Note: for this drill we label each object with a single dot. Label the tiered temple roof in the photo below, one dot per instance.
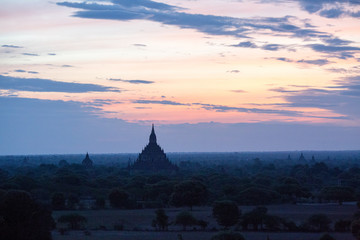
(153, 157)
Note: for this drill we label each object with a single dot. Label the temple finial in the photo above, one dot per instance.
(152, 138)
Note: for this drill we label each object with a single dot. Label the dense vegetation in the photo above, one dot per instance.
(221, 183)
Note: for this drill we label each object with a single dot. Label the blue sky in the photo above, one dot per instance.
(215, 75)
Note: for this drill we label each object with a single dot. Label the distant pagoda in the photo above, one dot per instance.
(153, 157)
(87, 161)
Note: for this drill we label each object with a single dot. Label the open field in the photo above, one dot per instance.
(140, 220)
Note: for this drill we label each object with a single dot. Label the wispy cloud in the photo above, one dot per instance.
(288, 26)
(24, 71)
(131, 81)
(162, 102)
(10, 46)
(139, 45)
(318, 62)
(332, 8)
(47, 85)
(238, 91)
(31, 54)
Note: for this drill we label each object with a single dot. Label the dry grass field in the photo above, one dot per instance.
(140, 221)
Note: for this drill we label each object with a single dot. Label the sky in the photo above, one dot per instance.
(212, 75)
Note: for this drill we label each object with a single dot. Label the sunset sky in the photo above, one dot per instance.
(213, 75)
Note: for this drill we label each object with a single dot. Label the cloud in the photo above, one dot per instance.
(319, 62)
(35, 126)
(342, 52)
(52, 54)
(222, 108)
(343, 98)
(67, 66)
(288, 26)
(272, 47)
(10, 46)
(162, 102)
(234, 71)
(24, 71)
(46, 85)
(238, 91)
(246, 44)
(331, 8)
(132, 81)
(30, 54)
(282, 90)
(139, 45)
(283, 59)
(208, 24)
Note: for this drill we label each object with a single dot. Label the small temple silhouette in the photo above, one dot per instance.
(87, 162)
(152, 157)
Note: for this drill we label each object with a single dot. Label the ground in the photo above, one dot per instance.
(137, 223)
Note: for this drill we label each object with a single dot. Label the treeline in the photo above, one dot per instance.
(255, 182)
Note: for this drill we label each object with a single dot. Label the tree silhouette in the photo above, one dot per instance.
(118, 198)
(58, 201)
(161, 221)
(320, 222)
(255, 217)
(226, 213)
(74, 220)
(23, 218)
(189, 193)
(185, 219)
(326, 236)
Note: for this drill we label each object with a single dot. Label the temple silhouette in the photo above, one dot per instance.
(152, 157)
(87, 162)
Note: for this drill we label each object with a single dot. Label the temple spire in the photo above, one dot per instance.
(152, 138)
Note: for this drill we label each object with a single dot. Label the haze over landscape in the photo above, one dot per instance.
(214, 75)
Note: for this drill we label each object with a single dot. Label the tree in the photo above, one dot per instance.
(189, 193)
(226, 213)
(74, 220)
(339, 194)
(355, 228)
(255, 217)
(23, 218)
(58, 201)
(203, 224)
(185, 219)
(72, 201)
(118, 198)
(228, 236)
(319, 222)
(326, 236)
(255, 195)
(161, 221)
(342, 226)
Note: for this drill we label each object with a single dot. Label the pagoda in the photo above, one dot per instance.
(87, 162)
(153, 157)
